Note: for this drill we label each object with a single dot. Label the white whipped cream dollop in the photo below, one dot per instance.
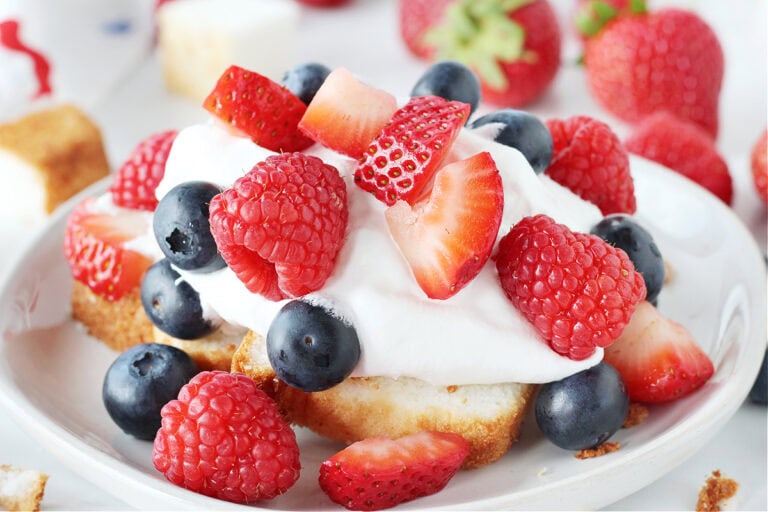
(475, 337)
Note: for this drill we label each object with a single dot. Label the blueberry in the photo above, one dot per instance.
(759, 392)
(182, 230)
(309, 348)
(305, 79)
(140, 382)
(524, 132)
(622, 232)
(583, 410)
(450, 80)
(172, 304)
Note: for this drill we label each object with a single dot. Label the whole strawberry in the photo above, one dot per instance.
(280, 227)
(224, 437)
(134, 184)
(514, 46)
(379, 473)
(589, 159)
(578, 291)
(669, 60)
(683, 147)
(760, 166)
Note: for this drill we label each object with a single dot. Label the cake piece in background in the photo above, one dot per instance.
(21, 489)
(199, 39)
(47, 157)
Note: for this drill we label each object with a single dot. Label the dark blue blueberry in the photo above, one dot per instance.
(759, 392)
(305, 79)
(524, 132)
(583, 410)
(182, 229)
(309, 348)
(172, 304)
(140, 382)
(450, 80)
(621, 231)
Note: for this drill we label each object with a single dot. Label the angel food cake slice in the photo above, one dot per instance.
(415, 286)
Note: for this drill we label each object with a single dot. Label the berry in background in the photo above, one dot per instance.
(305, 79)
(760, 166)
(449, 80)
(683, 147)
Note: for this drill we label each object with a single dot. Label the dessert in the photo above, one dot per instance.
(421, 282)
(47, 157)
(199, 39)
(21, 489)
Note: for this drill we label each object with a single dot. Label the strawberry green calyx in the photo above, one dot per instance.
(596, 14)
(480, 34)
(638, 7)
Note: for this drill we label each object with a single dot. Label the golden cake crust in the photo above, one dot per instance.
(31, 495)
(63, 145)
(359, 408)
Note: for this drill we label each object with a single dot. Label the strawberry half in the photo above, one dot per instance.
(94, 247)
(657, 358)
(448, 237)
(379, 473)
(405, 155)
(346, 115)
(261, 109)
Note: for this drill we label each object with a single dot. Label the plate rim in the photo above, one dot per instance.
(71, 449)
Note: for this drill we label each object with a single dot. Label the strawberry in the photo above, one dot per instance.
(589, 159)
(379, 473)
(657, 358)
(448, 237)
(760, 166)
(685, 148)
(94, 245)
(513, 46)
(280, 227)
(134, 184)
(345, 115)
(259, 108)
(577, 290)
(401, 161)
(669, 59)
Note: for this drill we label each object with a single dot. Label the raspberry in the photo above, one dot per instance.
(224, 437)
(578, 291)
(135, 182)
(280, 227)
(589, 159)
(760, 166)
(685, 148)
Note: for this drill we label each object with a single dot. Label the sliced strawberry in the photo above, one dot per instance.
(448, 237)
(407, 152)
(345, 115)
(657, 358)
(94, 245)
(261, 109)
(379, 473)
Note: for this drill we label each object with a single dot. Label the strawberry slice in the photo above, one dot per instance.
(402, 160)
(379, 473)
(259, 108)
(94, 245)
(657, 358)
(346, 115)
(448, 237)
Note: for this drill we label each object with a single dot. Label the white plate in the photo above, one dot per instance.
(51, 375)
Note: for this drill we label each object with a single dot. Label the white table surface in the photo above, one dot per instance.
(140, 106)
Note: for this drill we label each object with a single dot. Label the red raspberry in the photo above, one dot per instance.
(135, 182)
(685, 148)
(224, 437)
(589, 159)
(578, 291)
(760, 166)
(280, 227)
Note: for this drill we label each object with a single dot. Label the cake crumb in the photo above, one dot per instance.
(598, 451)
(636, 415)
(715, 491)
(542, 472)
(21, 489)
(669, 274)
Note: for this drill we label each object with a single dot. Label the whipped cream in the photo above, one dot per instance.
(475, 337)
